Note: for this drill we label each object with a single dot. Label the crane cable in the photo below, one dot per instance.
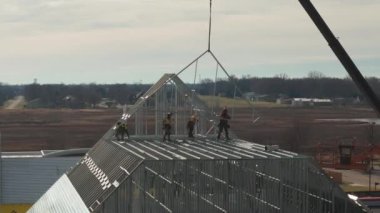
(254, 118)
(209, 28)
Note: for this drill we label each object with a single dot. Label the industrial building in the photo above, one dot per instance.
(145, 174)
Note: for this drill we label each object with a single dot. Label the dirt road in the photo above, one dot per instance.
(16, 103)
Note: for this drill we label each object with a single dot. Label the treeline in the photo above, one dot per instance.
(88, 95)
(311, 87)
(82, 95)
(305, 87)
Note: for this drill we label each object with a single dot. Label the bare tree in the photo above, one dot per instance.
(316, 75)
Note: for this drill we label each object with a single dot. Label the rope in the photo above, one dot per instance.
(216, 78)
(172, 98)
(196, 59)
(193, 91)
(232, 80)
(195, 73)
(209, 28)
(234, 105)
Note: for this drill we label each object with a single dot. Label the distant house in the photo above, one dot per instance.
(302, 102)
(322, 102)
(106, 103)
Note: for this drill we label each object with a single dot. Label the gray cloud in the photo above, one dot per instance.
(141, 37)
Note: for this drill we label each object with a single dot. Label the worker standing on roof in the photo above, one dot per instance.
(125, 129)
(223, 123)
(190, 125)
(119, 131)
(167, 126)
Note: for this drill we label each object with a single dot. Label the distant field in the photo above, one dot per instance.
(238, 103)
(19, 102)
(295, 129)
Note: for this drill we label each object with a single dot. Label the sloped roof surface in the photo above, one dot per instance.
(152, 148)
(111, 162)
(100, 170)
(61, 198)
(25, 179)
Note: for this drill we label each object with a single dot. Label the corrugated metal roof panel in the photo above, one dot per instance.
(60, 198)
(26, 179)
(100, 170)
(109, 163)
(183, 148)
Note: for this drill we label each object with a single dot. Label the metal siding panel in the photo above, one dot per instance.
(60, 198)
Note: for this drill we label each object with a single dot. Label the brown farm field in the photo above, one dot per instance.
(36, 129)
(294, 129)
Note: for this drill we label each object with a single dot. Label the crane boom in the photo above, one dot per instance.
(342, 55)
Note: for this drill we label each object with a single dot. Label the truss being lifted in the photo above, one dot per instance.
(169, 95)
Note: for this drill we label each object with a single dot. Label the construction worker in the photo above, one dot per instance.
(167, 126)
(223, 123)
(119, 131)
(125, 130)
(191, 124)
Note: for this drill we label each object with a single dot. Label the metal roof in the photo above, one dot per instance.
(45, 153)
(111, 162)
(66, 152)
(60, 198)
(183, 148)
(101, 170)
(24, 180)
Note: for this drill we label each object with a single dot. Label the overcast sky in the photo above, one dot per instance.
(125, 41)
